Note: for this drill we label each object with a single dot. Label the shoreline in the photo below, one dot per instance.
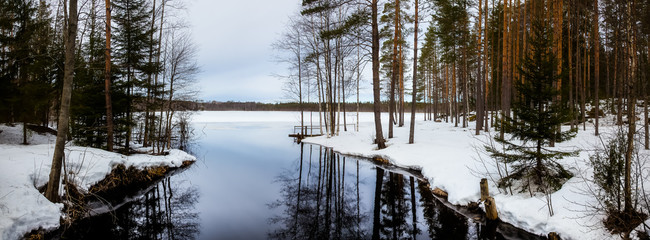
(451, 158)
(105, 201)
(477, 215)
(24, 170)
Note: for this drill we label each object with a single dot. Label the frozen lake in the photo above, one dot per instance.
(254, 182)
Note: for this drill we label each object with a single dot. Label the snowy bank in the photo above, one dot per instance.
(453, 159)
(24, 168)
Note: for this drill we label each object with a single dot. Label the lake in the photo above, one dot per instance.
(254, 182)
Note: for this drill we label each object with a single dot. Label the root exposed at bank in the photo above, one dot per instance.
(122, 180)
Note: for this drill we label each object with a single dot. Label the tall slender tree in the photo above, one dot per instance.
(379, 138)
(415, 75)
(596, 36)
(107, 80)
(52, 192)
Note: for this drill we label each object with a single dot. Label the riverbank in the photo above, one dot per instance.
(453, 159)
(24, 169)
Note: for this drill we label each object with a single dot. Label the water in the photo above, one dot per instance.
(253, 182)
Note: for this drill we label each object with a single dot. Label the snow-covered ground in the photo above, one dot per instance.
(449, 156)
(23, 168)
(453, 159)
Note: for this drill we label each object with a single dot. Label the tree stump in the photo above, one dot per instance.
(490, 209)
(553, 236)
(485, 193)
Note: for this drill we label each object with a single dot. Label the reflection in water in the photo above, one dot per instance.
(442, 222)
(319, 202)
(164, 212)
(322, 195)
(320, 199)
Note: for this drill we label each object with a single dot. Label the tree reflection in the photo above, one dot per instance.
(317, 200)
(165, 212)
(320, 199)
(443, 222)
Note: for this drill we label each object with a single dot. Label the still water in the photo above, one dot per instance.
(254, 182)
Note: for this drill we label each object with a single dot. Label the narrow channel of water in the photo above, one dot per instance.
(253, 182)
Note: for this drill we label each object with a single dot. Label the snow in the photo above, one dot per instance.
(451, 158)
(23, 168)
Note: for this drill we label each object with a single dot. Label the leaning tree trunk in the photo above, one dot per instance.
(52, 192)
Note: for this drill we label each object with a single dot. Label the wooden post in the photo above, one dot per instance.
(484, 189)
(491, 209)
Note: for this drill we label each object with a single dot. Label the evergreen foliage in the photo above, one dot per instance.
(608, 165)
(132, 38)
(535, 121)
(87, 106)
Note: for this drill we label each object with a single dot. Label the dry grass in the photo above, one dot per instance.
(623, 222)
(123, 179)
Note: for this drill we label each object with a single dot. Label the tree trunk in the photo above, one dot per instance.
(415, 76)
(379, 137)
(395, 73)
(645, 107)
(302, 111)
(107, 81)
(147, 111)
(479, 81)
(401, 83)
(596, 34)
(505, 93)
(486, 69)
(52, 192)
(156, 98)
(454, 93)
(631, 113)
(571, 102)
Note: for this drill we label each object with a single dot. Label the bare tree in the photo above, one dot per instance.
(182, 69)
(291, 43)
(52, 192)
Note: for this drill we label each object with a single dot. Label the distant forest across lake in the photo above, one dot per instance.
(288, 106)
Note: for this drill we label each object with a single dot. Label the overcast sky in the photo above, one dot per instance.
(234, 40)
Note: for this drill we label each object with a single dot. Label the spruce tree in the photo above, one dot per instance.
(132, 39)
(25, 65)
(87, 107)
(535, 119)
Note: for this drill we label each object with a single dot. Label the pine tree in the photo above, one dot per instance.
(537, 117)
(379, 137)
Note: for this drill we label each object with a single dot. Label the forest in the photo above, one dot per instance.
(105, 73)
(536, 72)
(148, 65)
